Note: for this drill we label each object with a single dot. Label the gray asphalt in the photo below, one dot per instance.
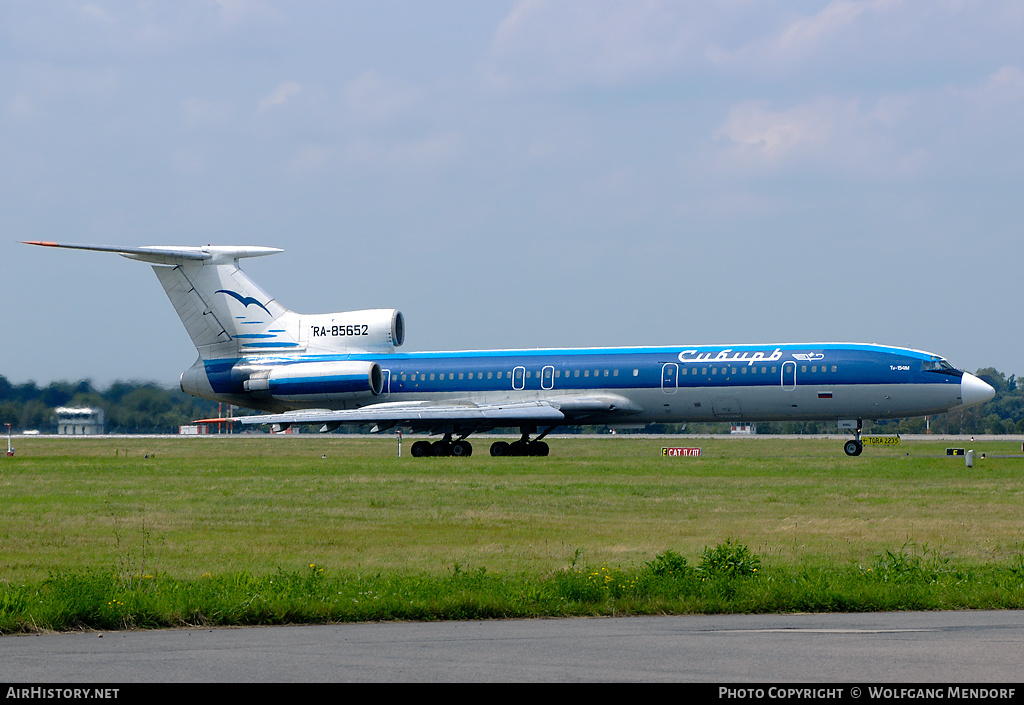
(932, 647)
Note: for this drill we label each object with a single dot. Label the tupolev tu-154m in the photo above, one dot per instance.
(341, 368)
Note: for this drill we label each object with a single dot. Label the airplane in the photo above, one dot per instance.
(342, 368)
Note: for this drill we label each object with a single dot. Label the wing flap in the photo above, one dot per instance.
(398, 413)
(425, 415)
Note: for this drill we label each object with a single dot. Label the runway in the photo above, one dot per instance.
(907, 647)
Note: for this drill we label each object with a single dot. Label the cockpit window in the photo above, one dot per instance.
(937, 364)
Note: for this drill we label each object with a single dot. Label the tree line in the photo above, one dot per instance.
(146, 407)
(128, 407)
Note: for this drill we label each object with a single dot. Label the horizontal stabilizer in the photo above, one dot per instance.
(171, 255)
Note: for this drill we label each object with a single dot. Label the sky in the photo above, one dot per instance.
(518, 173)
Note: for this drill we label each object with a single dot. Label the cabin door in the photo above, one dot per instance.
(670, 378)
(547, 377)
(789, 376)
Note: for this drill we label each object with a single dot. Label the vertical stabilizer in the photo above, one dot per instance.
(224, 311)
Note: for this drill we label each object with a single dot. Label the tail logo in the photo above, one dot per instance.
(244, 300)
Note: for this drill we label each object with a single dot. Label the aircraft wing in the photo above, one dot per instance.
(432, 416)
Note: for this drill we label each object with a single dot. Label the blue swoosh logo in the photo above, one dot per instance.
(244, 300)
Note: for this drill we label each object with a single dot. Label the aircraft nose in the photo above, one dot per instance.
(974, 391)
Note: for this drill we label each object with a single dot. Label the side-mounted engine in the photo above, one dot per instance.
(326, 382)
(318, 382)
(300, 361)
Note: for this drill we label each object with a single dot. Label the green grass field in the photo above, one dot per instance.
(201, 507)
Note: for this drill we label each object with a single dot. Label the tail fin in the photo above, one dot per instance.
(224, 311)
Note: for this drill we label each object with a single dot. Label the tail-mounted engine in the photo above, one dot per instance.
(375, 330)
(317, 381)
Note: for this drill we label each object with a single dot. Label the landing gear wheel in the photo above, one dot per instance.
(539, 449)
(853, 448)
(422, 449)
(499, 449)
(519, 448)
(442, 449)
(462, 449)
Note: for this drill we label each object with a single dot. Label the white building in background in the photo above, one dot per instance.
(80, 421)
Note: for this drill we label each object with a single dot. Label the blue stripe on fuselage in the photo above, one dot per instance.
(823, 364)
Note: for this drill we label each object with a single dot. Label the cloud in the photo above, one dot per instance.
(309, 158)
(824, 131)
(206, 113)
(836, 21)
(428, 152)
(858, 37)
(1002, 89)
(96, 12)
(280, 95)
(369, 98)
(566, 42)
(21, 107)
(235, 11)
(949, 130)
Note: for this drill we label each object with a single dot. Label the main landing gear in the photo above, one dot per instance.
(501, 449)
(444, 448)
(462, 448)
(855, 447)
(524, 446)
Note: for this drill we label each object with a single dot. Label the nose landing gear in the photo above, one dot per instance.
(856, 446)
